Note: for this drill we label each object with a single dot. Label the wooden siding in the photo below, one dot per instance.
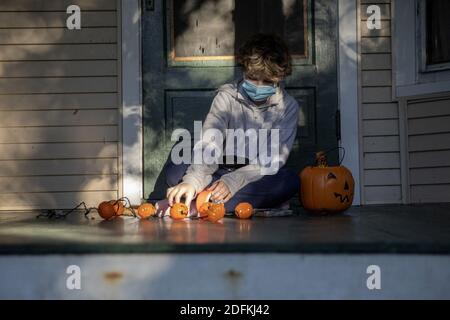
(429, 149)
(380, 116)
(417, 138)
(59, 104)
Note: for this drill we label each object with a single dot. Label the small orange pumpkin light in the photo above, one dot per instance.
(213, 211)
(146, 210)
(202, 198)
(106, 210)
(203, 211)
(244, 210)
(179, 211)
(119, 208)
(207, 209)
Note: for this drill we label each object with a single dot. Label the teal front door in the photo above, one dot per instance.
(188, 52)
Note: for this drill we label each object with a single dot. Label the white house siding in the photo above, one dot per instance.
(59, 110)
(429, 149)
(424, 152)
(380, 117)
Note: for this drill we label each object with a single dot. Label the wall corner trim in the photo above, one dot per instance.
(348, 90)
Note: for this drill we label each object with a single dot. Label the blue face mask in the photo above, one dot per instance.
(258, 93)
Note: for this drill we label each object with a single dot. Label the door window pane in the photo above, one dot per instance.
(217, 28)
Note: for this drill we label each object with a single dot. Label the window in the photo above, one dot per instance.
(421, 47)
(435, 35)
(215, 29)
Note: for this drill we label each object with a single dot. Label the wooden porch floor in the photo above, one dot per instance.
(421, 229)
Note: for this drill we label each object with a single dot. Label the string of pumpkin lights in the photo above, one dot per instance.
(325, 189)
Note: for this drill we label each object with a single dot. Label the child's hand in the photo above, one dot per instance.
(183, 190)
(220, 191)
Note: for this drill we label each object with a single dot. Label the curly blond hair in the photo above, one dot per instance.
(265, 57)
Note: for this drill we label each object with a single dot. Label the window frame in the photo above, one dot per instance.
(409, 79)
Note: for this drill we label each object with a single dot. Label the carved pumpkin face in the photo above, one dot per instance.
(212, 211)
(326, 189)
(146, 210)
(203, 211)
(244, 210)
(179, 211)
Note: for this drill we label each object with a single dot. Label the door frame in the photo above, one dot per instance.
(131, 99)
(348, 79)
(131, 95)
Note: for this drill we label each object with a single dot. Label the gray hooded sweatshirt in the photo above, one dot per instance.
(233, 109)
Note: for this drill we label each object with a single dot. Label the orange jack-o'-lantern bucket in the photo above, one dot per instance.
(326, 189)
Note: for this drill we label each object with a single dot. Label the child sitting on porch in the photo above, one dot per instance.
(258, 101)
